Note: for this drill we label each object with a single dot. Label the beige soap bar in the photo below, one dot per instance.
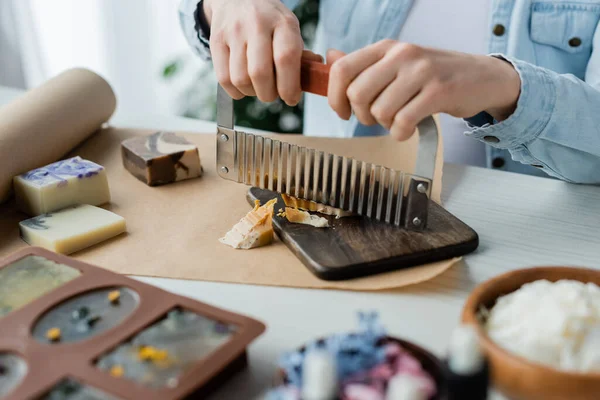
(61, 184)
(72, 229)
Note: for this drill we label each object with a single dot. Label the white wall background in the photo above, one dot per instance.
(128, 42)
(11, 73)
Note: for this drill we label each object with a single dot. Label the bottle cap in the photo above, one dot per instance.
(465, 355)
(404, 387)
(319, 376)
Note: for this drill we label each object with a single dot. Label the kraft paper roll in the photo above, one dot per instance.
(47, 122)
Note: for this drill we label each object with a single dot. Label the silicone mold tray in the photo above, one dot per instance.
(71, 330)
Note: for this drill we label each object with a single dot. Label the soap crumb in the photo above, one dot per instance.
(114, 296)
(117, 371)
(53, 334)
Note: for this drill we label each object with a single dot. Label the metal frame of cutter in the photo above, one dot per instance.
(366, 189)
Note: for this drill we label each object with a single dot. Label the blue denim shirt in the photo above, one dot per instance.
(556, 125)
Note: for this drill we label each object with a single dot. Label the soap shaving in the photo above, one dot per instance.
(307, 205)
(303, 217)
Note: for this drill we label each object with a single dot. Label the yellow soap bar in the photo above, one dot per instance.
(254, 230)
(72, 229)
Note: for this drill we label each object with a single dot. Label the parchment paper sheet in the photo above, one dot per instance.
(47, 122)
(173, 230)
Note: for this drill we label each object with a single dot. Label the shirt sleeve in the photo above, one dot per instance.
(197, 38)
(556, 124)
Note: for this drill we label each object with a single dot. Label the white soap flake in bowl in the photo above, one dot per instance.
(555, 324)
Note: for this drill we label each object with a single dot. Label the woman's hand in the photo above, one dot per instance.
(256, 48)
(397, 85)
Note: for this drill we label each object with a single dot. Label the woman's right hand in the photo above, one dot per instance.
(256, 48)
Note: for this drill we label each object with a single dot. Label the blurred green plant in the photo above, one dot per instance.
(197, 96)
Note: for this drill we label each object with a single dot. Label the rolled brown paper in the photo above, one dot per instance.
(47, 122)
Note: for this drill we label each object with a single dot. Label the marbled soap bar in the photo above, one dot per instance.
(161, 158)
(61, 184)
(161, 354)
(72, 229)
(29, 278)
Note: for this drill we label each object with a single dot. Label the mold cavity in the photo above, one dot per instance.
(70, 389)
(12, 371)
(158, 356)
(85, 315)
(30, 278)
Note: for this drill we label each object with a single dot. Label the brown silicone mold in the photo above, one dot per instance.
(50, 363)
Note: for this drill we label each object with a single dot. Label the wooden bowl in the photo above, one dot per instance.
(430, 363)
(513, 375)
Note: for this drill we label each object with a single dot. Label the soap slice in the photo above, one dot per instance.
(302, 217)
(61, 184)
(72, 229)
(254, 230)
(161, 158)
(308, 205)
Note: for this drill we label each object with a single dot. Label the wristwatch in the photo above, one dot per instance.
(201, 24)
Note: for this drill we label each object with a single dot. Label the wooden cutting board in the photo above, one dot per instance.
(353, 247)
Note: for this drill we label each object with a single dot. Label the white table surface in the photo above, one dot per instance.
(521, 221)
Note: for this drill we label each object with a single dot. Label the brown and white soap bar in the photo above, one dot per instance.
(161, 158)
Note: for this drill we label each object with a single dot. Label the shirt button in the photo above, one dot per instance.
(498, 162)
(499, 30)
(491, 139)
(575, 42)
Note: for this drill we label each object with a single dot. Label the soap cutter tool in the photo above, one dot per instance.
(375, 191)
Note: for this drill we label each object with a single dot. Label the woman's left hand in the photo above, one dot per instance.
(397, 85)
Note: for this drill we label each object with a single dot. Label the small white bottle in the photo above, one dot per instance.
(404, 387)
(467, 369)
(464, 355)
(319, 376)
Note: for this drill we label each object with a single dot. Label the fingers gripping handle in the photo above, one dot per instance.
(315, 79)
(413, 205)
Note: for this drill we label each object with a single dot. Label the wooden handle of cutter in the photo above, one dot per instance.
(314, 77)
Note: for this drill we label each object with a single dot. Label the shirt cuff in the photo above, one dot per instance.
(533, 112)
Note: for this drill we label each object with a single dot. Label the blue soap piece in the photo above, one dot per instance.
(59, 171)
(353, 352)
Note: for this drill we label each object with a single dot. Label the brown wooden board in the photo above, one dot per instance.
(358, 246)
